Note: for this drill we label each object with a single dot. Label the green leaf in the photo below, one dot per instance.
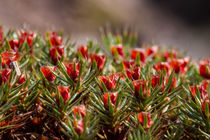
(111, 110)
(206, 109)
(103, 86)
(138, 59)
(8, 47)
(119, 95)
(63, 70)
(145, 121)
(141, 92)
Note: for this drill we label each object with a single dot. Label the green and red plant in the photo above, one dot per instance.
(50, 88)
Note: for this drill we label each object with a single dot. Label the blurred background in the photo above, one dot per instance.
(183, 24)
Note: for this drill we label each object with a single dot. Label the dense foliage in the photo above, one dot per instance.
(52, 88)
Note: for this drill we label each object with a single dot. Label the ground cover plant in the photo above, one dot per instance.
(53, 88)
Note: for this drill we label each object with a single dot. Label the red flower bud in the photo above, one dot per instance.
(133, 74)
(168, 55)
(26, 36)
(113, 99)
(118, 49)
(30, 40)
(152, 50)
(73, 71)
(202, 90)
(162, 66)
(193, 90)
(185, 61)
(140, 51)
(4, 75)
(179, 65)
(79, 126)
(83, 50)
(137, 85)
(136, 73)
(80, 109)
(22, 79)
(53, 54)
(99, 59)
(176, 65)
(9, 56)
(55, 39)
(205, 68)
(155, 80)
(116, 76)
(47, 72)
(60, 50)
(109, 82)
(141, 118)
(205, 84)
(128, 64)
(173, 83)
(64, 92)
(128, 73)
(14, 44)
(56, 53)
